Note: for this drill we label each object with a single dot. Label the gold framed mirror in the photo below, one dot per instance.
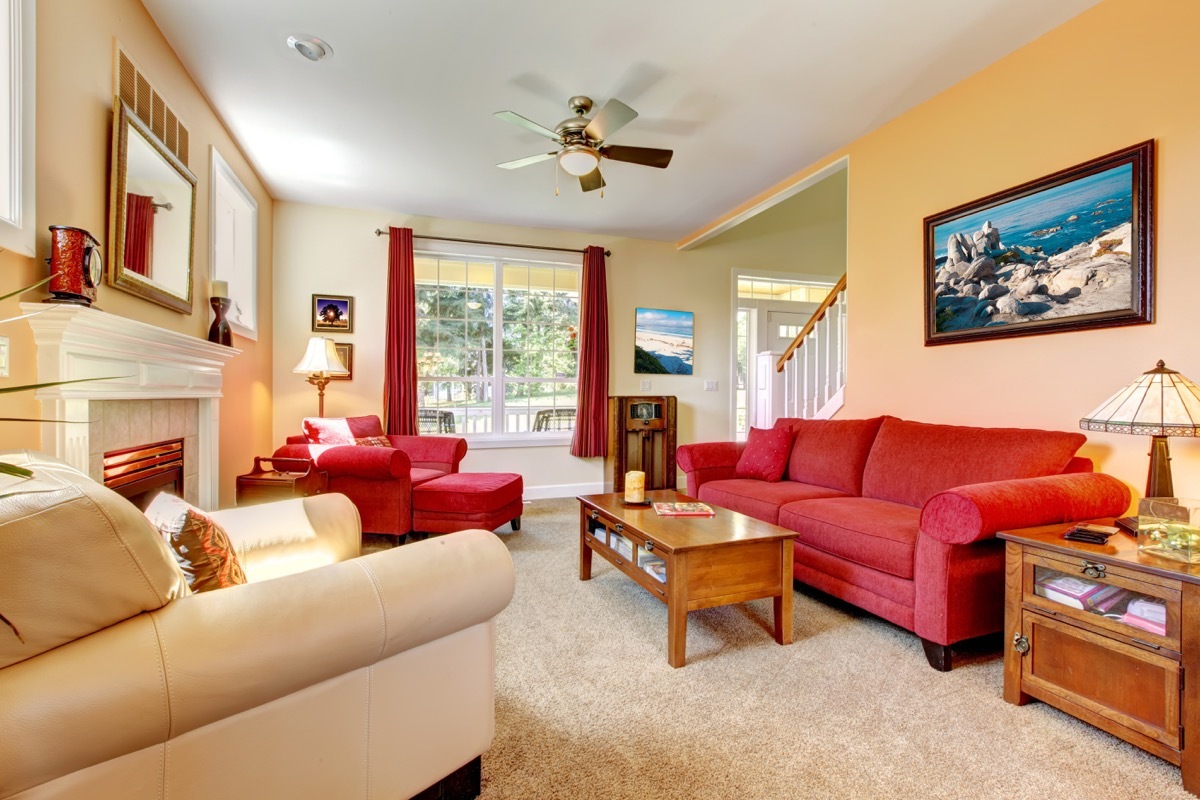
(152, 217)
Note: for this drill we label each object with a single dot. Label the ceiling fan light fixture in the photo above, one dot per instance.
(310, 47)
(578, 159)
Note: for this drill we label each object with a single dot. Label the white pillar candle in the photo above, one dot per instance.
(635, 487)
(219, 289)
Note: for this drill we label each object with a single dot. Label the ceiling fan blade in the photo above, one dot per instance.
(524, 162)
(614, 116)
(527, 124)
(592, 181)
(646, 156)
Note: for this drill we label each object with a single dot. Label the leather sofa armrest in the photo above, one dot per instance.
(338, 460)
(708, 461)
(206, 657)
(290, 536)
(432, 452)
(977, 511)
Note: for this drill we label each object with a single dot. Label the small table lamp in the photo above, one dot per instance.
(319, 363)
(1159, 404)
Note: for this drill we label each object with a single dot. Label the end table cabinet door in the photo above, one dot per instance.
(1128, 685)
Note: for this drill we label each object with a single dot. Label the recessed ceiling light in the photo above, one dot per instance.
(310, 47)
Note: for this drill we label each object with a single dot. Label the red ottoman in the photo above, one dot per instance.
(463, 500)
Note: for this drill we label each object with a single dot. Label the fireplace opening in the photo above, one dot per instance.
(138, 473)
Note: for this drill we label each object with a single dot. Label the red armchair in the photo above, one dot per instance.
(377, 472)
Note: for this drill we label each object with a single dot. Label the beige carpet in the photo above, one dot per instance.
(587, 707)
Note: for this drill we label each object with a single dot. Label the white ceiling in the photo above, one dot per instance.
(745, 93)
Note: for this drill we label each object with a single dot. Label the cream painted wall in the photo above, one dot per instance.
(1056, 102)
(321, 249)
(74, 124)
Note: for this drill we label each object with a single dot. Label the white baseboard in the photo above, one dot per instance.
(563, 490)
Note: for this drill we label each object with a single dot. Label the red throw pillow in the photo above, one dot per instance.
(340, 430)
(201, 547)
(766, 454)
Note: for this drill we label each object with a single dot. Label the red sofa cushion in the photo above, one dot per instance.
(830, 452)
(766, 454)
(468, 492)
(875, 533)
(912, 461)
(341, 430)
(759, 499)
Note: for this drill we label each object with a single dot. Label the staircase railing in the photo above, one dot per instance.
(814, 364)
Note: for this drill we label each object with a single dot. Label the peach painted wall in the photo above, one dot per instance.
(1118, 74)
(74, 123)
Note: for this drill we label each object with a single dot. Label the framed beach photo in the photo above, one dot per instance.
(1070, 251)
(345, 352)
(332, 313)
(662, 342)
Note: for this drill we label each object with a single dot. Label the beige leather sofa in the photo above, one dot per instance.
(328, 675)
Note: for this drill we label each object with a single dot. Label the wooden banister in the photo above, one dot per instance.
(817, 316)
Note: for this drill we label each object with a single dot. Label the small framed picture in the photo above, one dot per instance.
(333, 313)
(345, 352)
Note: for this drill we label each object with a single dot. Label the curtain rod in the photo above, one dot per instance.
(381, 232)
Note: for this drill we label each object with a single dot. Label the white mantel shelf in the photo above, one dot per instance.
(133, 359)
(122, 359)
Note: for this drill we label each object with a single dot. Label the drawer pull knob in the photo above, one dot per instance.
(649, 546)
(620, 527)
(595, 513)
(1020, 643)
(1093, 570)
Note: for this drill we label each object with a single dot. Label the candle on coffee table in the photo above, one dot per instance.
(635, 487)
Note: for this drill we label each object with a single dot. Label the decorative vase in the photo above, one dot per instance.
(219, 332)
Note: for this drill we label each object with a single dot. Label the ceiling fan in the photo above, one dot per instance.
(581, 141)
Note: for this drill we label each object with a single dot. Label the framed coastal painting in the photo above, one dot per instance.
(662, 342)
(333, 313)
(1070, 251)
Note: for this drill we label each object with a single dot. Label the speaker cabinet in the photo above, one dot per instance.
(642, 437)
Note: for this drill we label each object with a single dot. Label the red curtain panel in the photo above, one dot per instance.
(591, 426)
(400, 354)
(139, 233)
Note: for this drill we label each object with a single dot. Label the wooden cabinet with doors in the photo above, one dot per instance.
(641, 433)
(1107, 635)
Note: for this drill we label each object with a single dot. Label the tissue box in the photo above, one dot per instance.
(1170, 527)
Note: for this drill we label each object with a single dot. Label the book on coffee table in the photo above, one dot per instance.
(683, 510)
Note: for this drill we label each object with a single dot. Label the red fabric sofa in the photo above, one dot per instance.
(375, 471)
(899, 517)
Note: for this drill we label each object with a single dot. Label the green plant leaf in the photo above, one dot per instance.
(27, 288)
(14, 628)
(13, 469)
(11, 389)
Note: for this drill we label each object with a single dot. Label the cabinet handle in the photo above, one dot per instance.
(649, 546)
(595, 513)
(620, 527)
(619, 562)
(1093, 570)
(1146, 644)
(1020, 643)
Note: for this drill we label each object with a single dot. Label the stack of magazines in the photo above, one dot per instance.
(1079, 592)
(683, 510)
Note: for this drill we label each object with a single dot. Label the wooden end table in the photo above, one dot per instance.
(709, 561)
(1091, 654)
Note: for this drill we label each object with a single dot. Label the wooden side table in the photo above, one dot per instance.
(1082, 633)
(288, 477)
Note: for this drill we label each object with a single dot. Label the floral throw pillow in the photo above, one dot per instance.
(201, 547)
(373, 441)
(766, 454)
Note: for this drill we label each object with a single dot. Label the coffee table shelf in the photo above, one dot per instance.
(710, 561)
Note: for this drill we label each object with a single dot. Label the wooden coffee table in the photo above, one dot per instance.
(710, 561)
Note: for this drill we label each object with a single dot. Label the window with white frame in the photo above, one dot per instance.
(497, 345)
(17, 112)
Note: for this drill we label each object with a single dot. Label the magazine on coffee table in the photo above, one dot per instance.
(683, 510)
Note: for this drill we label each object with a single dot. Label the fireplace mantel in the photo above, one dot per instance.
(123, 359)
